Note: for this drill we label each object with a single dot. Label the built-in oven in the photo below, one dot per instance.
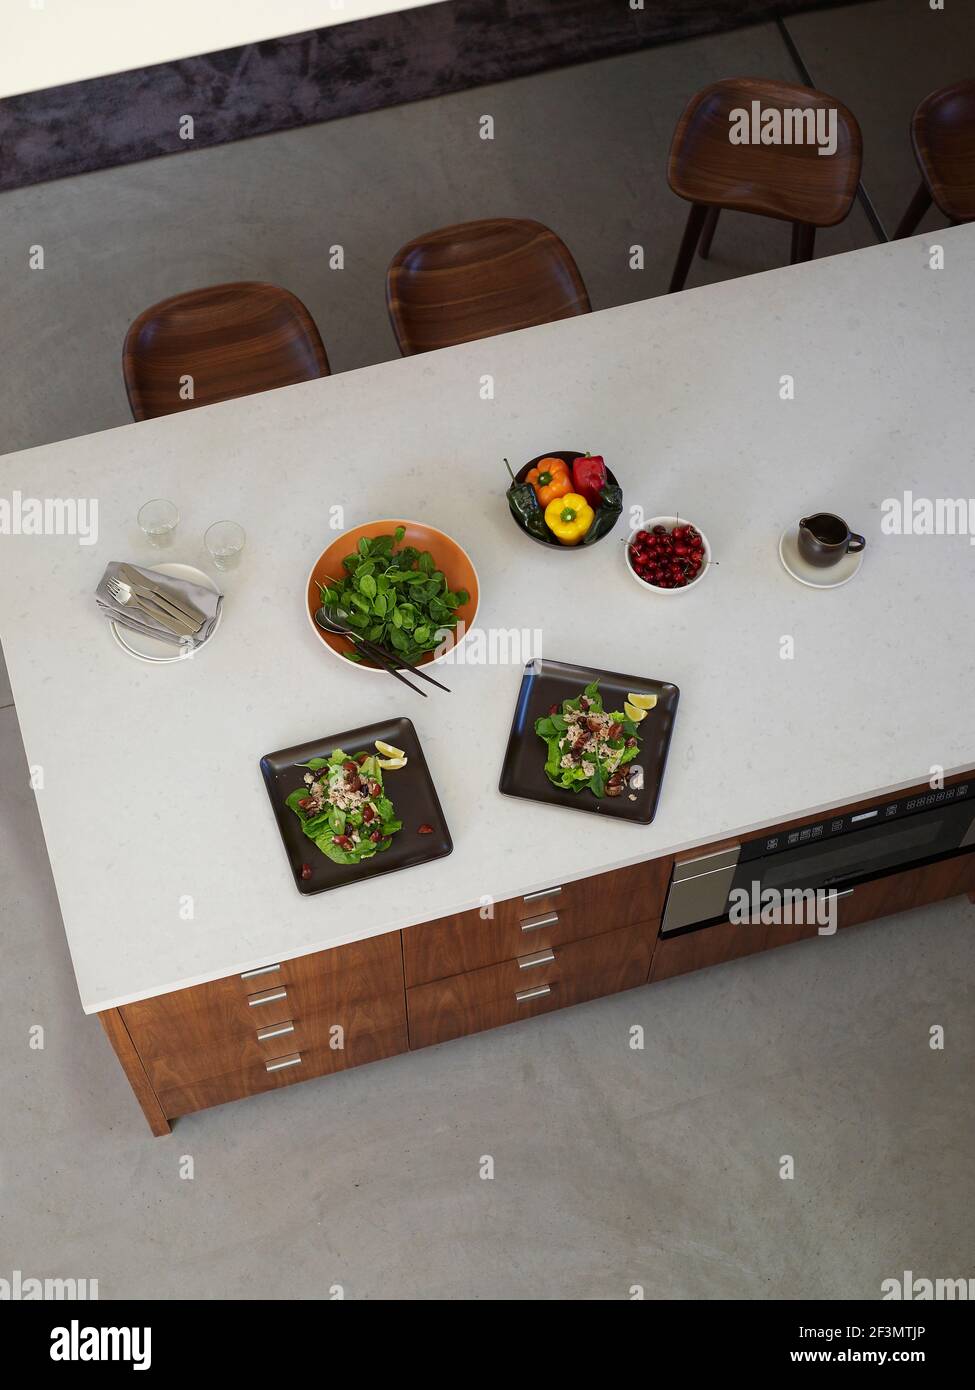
(833, 854)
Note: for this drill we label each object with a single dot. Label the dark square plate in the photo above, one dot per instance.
(410, 789)
(546, 683)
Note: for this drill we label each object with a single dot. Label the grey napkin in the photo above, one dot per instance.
(181, 590)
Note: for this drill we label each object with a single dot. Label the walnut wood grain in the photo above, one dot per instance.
(362, 1045)
(943, 135)
(791, 182)
(233, 340)
(466, 941)
(487, 998)
(340, 1033)
(211, 1015)
(117, 1034)
(476, 279)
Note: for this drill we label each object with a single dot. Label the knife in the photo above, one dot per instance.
(183, 609)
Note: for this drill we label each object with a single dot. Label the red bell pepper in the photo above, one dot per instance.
(589, 477)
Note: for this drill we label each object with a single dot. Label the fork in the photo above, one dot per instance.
(123, 595)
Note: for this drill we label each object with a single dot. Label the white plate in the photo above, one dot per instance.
(151, 649)
(810, 575)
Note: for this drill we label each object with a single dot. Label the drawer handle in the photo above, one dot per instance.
(268, 997)
(542, 893)
(281, 1062)
(278, 1031)
(533, 993)
(541, 958)
(261, 970)
(533, 923)
(846, 893)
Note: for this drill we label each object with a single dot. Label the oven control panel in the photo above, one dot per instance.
(853, 820)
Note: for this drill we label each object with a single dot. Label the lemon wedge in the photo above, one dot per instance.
(388, 751)
(633, 713)
(641, 701)
(388, 764)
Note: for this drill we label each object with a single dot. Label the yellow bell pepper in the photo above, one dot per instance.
(569, 518)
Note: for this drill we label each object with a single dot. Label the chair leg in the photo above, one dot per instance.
(803, 241)
(692, 234)
(917, 207)
(707, 236)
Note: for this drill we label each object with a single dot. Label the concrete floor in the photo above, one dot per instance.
(613, 1167)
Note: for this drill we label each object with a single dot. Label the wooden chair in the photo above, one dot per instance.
(477, 279)
(943, 133)
(232, 340)
(792, 182)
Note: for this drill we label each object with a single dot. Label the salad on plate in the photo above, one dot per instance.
(589, 747)
(343, 806)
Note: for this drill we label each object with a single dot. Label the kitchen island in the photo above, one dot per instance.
(177, 898)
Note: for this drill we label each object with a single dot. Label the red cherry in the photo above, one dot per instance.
(660, 530)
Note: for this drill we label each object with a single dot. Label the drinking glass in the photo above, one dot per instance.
(158, 519)
(224, 541)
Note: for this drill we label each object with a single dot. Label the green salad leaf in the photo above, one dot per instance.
(331, 821)
(394, 596)
(603, 753)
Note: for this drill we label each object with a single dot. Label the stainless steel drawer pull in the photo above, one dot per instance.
(542, 893)
(278, 1031)
(267, 997)
(533, 993)
(844, 894)
(533, 923)
(261, 970)
(281, 1062)
(541, 958)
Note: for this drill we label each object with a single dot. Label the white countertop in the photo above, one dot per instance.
(151, 783)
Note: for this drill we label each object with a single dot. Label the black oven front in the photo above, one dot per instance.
(836, 852)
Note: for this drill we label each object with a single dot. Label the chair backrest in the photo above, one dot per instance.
(476, 279)
(232, 340)
(943, 130)
(789, 179)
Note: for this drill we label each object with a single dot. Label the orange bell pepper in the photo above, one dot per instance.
(550, 478)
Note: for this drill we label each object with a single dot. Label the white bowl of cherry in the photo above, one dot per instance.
(668, 555)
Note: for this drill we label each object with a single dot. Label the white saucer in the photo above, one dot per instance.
(145, 648)
(831, 578)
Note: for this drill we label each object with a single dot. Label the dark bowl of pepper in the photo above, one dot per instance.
(560, 473)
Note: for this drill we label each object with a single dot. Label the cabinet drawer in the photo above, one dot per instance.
(912, 888)
(537, 983)
(677, 955)
(312, 1034)
(189, 1020)
(251, 1078)
(467, 941)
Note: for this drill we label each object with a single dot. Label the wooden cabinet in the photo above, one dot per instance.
(519, 926)
(912, 888)
(532, 984)
(322, 1013)
(677, 955)
(268, 1028)
(238, 1007)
